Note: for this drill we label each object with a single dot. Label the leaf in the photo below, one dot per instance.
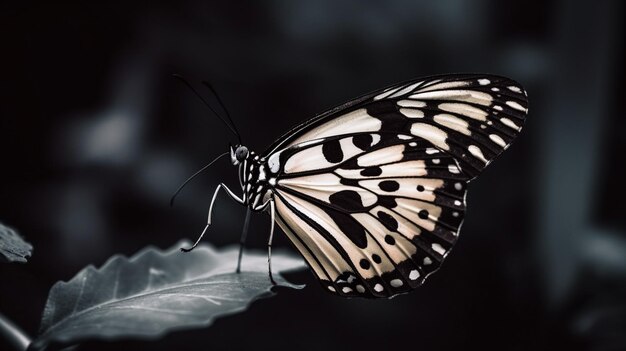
(12, 247)
(155, 292)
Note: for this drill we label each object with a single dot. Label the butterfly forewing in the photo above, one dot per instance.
(372, 194)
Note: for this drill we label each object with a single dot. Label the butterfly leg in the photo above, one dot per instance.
(242, 241)
(269, 242)
(217, 190)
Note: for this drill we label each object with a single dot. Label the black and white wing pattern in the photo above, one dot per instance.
(372, 193)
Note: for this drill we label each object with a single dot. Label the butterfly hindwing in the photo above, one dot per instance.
(388, 214)
(372, 194)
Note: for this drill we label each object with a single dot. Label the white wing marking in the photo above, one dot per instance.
(412, 113)
(342, 125)
(465, 110)
(380, 157)
(411, 103)
(473, 96)
(453, 123)
(431, 133)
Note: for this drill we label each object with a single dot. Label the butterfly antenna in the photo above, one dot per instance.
(219, 100)
(179, 77)
(193, 176)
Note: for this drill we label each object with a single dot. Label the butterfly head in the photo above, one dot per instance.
(238, 154)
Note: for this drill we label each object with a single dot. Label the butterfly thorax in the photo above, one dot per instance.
(257, 182)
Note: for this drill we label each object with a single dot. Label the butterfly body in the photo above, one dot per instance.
(372, 193)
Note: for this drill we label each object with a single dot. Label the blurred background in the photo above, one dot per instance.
(95, 135)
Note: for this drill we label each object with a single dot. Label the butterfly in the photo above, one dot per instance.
(372, 193)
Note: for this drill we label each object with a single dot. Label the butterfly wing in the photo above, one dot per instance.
(372, 193)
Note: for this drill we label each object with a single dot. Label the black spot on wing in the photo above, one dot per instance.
(376, 258)
(349, 181)
(423, 214)
(347, 200)
(389, 185)
(387, 201)
(371, 172)
(392, 120)
(349, 226)
(332, 151)
(362, 141)
(388, 221)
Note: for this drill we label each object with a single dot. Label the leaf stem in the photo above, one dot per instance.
(16, 337)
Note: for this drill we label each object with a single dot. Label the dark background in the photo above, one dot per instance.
(95, 136)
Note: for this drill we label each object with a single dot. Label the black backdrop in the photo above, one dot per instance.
(95, 135)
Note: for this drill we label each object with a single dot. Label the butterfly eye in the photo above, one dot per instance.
(241, 153)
